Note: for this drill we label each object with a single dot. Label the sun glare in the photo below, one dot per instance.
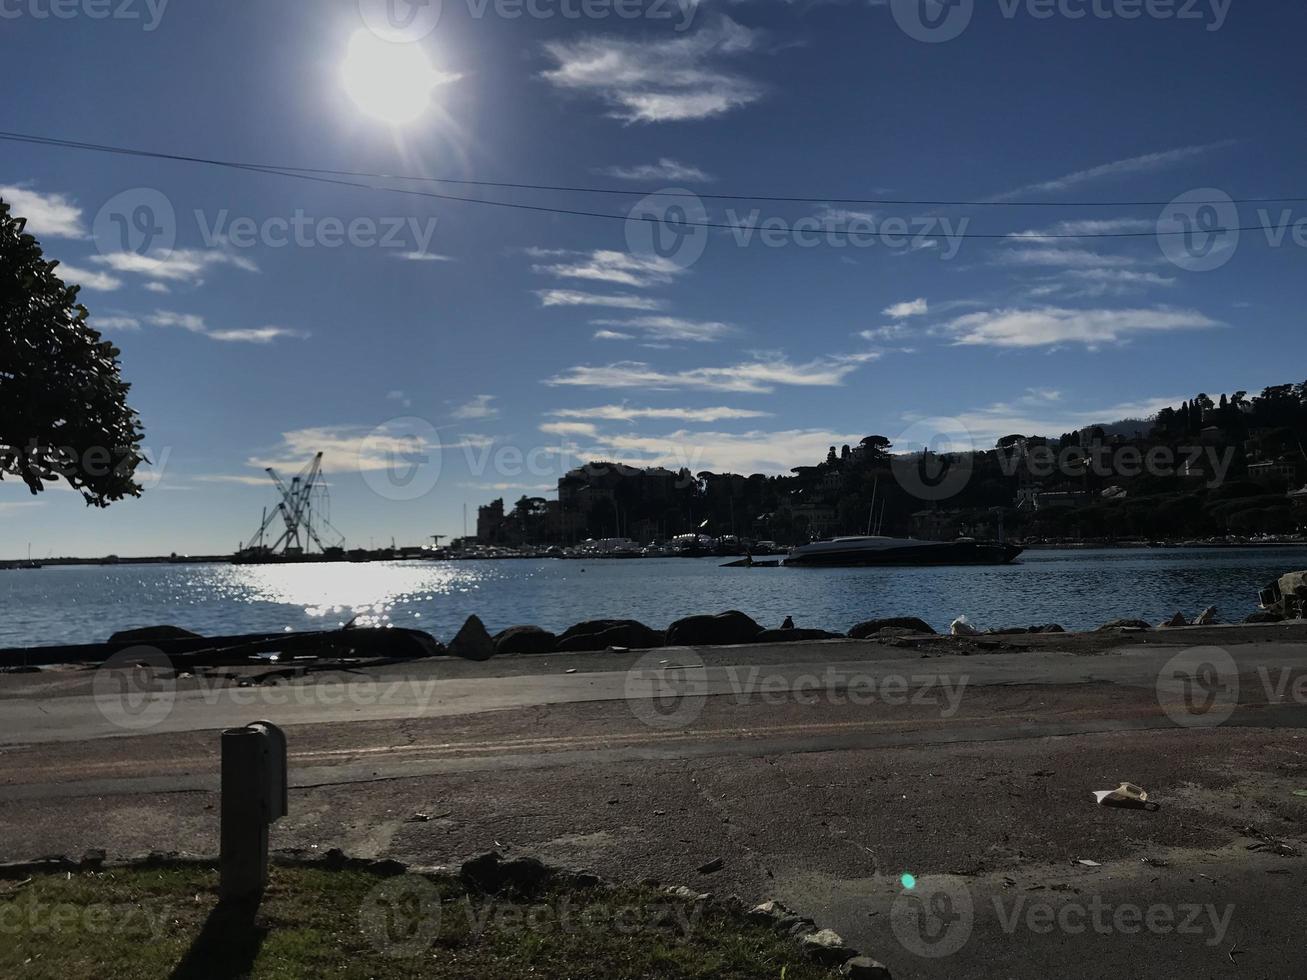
(391, 82)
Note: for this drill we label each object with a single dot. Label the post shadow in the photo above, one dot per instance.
(227, 945)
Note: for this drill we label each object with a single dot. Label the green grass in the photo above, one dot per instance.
(159, 923)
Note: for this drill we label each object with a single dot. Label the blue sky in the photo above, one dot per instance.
(508, 344)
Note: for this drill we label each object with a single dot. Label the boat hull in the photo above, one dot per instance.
(918, 555)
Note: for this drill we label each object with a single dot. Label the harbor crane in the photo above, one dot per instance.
(297, 512)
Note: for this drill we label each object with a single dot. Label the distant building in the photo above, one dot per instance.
(491, 526)
(1274, 472)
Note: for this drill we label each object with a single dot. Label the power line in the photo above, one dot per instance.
(336, 177)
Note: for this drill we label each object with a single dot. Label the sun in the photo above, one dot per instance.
(391, 82)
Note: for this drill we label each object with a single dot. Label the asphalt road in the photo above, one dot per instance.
(819, 774)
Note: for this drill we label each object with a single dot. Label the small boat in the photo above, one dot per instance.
(869, 550)
(748, 562)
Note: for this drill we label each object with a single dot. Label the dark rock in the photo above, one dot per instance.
(712, 867)
(1050, 628)
(491, 874)
(1264, 616)
(873, 626)
(94, 858)
(472, 641)
(894, 632)
(1124, 624)
(864, 968)
(524, 639)
(600, 634)
(149, 634)
(724, 629)
(794, 636)
(788, 624)
(387, 867)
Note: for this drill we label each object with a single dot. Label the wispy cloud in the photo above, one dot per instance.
(761, 375)
(1033, 415)
(478, 408)
(256, 335)
(748, 452)
(625, 413)
(900, 311)
(1092, 226)
(195, 323)
(666, 328)
(422, 257)
(583, 429)
(618, 268)
(48, 215)
(666, 169)
(681, 78)
(181, 265)
(94, 279)
(1051, 325)
(1051, 255)
(622, 301)
(1147, 163)
(114, 322)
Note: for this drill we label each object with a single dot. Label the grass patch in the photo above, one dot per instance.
(143, 924)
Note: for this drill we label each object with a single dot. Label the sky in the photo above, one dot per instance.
(263, 317)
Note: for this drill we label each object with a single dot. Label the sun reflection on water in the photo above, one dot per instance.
(372, 594)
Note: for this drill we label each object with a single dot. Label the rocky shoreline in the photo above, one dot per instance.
(734, 628)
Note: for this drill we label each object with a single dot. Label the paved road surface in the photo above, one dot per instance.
(820, 774)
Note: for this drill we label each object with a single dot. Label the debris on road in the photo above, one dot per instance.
(1126, 795)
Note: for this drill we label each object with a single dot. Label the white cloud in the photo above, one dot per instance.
(1052, 325)
(195, 324)
(157, 287)
(180, 265)
(624, 413)
(422, 257)
(101, 282)
(1148, 163)
(1090, 227)
(619, 268)
(478, 408)
(1031, 415)
(680, 78)
(665, 169)
(115, 322)
(900, 311)
(345, 447)
(585, 429)
(1056, 256)
(761, 375)
(187, 321)
(666, 328)
(256, 335)
(571, 297)
(749, 452)
(399, 396)
(48, 215)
